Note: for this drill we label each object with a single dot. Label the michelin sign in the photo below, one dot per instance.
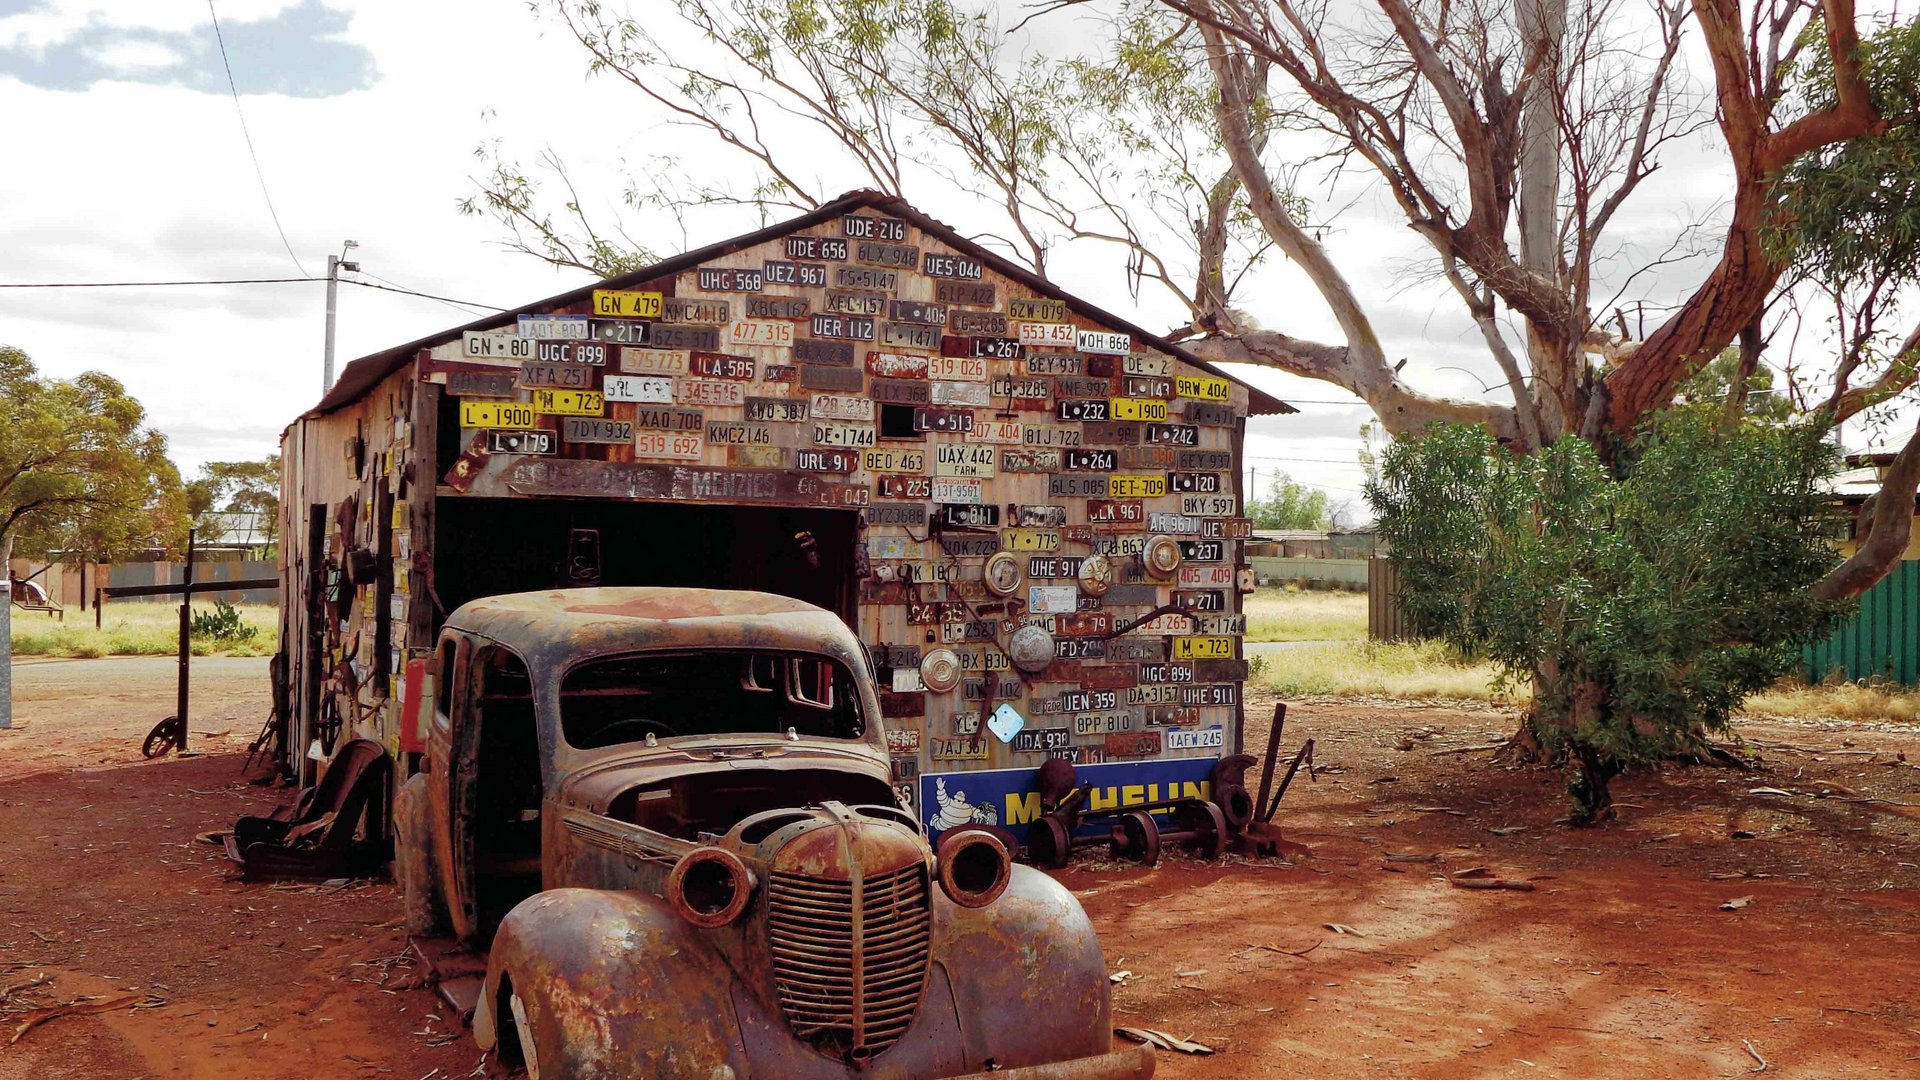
(1011, 797)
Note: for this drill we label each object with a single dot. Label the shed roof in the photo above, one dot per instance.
(364, 374)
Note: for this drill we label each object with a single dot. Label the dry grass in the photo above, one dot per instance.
(1839, 701)
(1283, 614)
(1375, 669)
(1428, 670)
(135, 629)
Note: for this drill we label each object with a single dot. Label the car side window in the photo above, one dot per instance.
(445, 668)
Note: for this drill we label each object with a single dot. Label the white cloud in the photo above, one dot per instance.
(134, 56)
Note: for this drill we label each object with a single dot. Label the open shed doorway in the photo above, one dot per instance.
(485, 547)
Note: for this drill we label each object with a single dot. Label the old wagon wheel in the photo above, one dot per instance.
(168, 734)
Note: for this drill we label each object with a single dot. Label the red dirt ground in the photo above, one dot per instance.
(1620, 962)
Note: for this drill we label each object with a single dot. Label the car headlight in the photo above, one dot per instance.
(709, 887)
(974, 867)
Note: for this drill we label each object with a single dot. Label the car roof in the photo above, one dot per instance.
(561, 623)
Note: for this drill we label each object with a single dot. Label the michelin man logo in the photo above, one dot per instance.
(956, 811)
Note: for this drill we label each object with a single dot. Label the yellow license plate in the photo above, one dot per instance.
(495, 414)
(1201, 387)
(569, 402)
(1030, 539)
(1137, 409)
(625, 304)
(1203, 648)
(1144, 486)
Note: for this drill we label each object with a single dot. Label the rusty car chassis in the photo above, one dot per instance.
(666, 813)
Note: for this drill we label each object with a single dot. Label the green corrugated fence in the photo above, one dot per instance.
(1883, 637)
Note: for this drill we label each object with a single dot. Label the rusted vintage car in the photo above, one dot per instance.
(667, 813)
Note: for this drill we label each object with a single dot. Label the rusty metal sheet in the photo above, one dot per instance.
(759, 457)
(896, 365)
(639, 480)
(1106, 677)
(815, 377)
(894, 705)
(1133, 744)
(1222, 671)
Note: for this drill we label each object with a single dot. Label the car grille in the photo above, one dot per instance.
(846, 995)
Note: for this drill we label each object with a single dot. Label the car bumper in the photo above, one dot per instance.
(1134, 1063)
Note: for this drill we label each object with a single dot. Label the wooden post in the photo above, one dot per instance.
(186, 640)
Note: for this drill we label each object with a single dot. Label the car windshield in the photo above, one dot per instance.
(624, 699)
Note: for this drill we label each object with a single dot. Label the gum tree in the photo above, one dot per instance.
(80, 475)
(1515, 140)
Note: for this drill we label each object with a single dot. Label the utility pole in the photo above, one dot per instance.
(335, 264)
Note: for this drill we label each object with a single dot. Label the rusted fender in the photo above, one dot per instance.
(1028, 978)
(615, 987)
(1135, 1063)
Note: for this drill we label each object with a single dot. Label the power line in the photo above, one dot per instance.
(411, 292)
(148, 284)
(237, 281)
(234, 88)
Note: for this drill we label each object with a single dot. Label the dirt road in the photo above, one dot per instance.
(1619, 962)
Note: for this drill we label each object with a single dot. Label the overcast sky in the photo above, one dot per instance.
(126, 162)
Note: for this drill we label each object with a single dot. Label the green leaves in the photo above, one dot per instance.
(1643, 597)
(78, 471)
